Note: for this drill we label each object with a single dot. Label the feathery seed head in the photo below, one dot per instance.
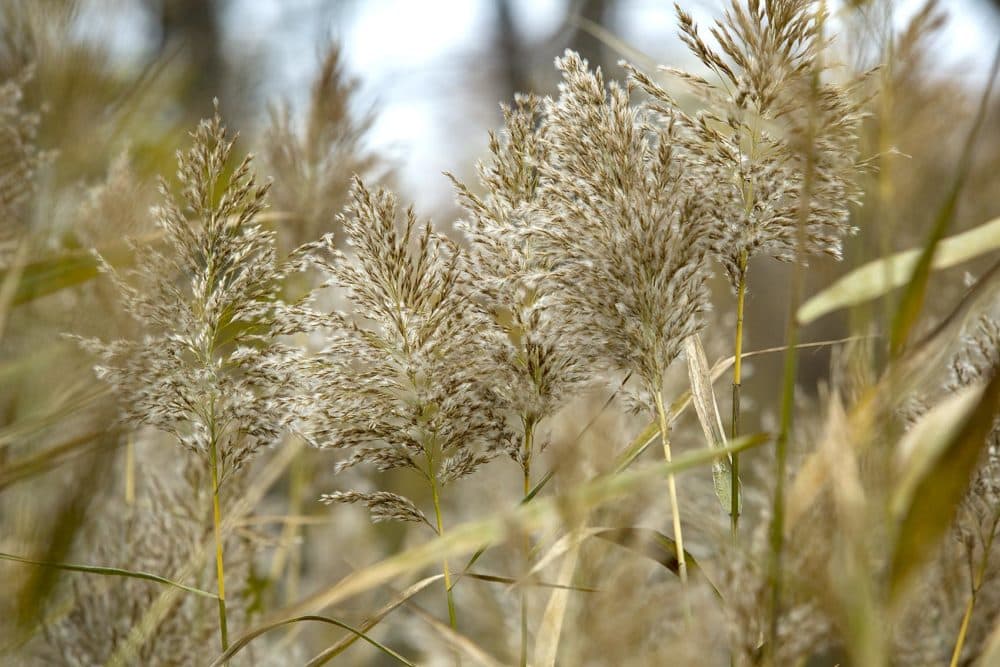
(403, 384)
(208, 366)
(536, 367)
(625, 237)
(770, 118)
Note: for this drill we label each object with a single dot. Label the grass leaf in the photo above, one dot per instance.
(470, 536)
(496, 579)
(241, 643)
(373, 620)
(705, 405)
(933, 499)
(880, 276)
(912, 302)
(923, 444)
(657, 547)
(107, 571)
(457, 639)
(550, 628)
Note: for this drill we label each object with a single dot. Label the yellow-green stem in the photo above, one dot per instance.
(672, 487)
(529, 445)
(217, 521)
(962, 632)
(977, 583)
(130, 471)
(529, 433)
(452, 618)
(734, 499)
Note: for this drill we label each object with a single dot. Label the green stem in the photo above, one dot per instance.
(452, 618)
(672, 487)
(734, 500)
(213, 455)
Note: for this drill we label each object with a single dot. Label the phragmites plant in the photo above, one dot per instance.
(978, 521)
(401, 384)
(537, 370)
(275, 350)
(208, 369)
(777, 140)
(626, 237)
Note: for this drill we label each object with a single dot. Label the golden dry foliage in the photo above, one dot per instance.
(196, 396)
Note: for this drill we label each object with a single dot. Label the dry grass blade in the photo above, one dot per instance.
(338, 648)
(926, 355)
(242, 642)
(905, 375)
(615, 43)
(649, 434)
(549, 474)
(61, 534)
(912, 302)
(107, 571)
(51, 457)
(656, 546)
(456, 639)
(66, 405)
(935, 496)
(878, 277)
(550, 629)
(510, 581)
(10, 282)
(560, 548)
(703, 396)
(991, 654)
(922, 447)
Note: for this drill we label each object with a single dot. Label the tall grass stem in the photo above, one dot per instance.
(672, 487)
(213, 453)
(529, 444)
(452, 617)
(734, 501)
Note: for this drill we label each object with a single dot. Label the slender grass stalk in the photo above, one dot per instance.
(130, 471)
(977, 583)
(529, 445)
(672, 486)
(217, 521)
(452, 618)
(960, 642)
(734, 507)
